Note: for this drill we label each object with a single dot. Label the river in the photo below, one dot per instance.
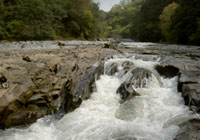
(158, 113)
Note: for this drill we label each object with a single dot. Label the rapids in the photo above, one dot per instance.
(156, 114)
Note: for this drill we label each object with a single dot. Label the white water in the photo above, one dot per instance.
(154, 115)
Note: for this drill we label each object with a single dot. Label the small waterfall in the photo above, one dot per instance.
(152, 108)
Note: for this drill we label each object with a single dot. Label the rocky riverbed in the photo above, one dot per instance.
(47, 77)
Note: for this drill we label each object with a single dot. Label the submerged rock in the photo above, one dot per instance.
(127, 65)
(138, 78)
(126, 92)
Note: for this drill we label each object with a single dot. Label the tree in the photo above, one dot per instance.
(121, 17)
(47, 19)
(185, 23)
(166, 20)
(146, 26)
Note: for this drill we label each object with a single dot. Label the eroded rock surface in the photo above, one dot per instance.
(35, 83)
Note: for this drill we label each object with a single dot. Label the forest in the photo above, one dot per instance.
(166, 21)
(48, 19)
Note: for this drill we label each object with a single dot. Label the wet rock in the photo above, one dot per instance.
(112, 69)
(80, 87)
(167, 71)
(194, 135)
(26, 58)
(190, 77)
(192, 131)
(37, 97)
(191, 94)
(15, 115)
(126, 92)
(3, 79)
(140, 77)
(86, 85)
(127, 65)
(61, 44)
(23, 117)
(106, 45)
(111, 44)
(182, 61)
(68, 103)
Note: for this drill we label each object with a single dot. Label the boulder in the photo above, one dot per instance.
(112, 69)
(3, 79)
(127, 65)
(126, 92)
(26, 58)
(167, 71)
(106, 45)
(138, 79)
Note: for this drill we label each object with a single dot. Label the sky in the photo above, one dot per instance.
(106, 5)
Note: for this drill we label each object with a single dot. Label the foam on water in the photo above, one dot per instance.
(154, 115)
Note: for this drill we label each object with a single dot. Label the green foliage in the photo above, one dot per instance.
(120, 19)
(48, 19)
(185, 23)
(146, 25)
(166, 20)
(172, 21)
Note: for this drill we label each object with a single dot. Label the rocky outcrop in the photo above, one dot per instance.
(138, 78)
(167, 71)
(35, 83)
(192, 131)
(181, 61)
(126, 92)
(80, 87)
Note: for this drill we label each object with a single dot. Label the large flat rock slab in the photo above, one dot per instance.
(37, 78)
